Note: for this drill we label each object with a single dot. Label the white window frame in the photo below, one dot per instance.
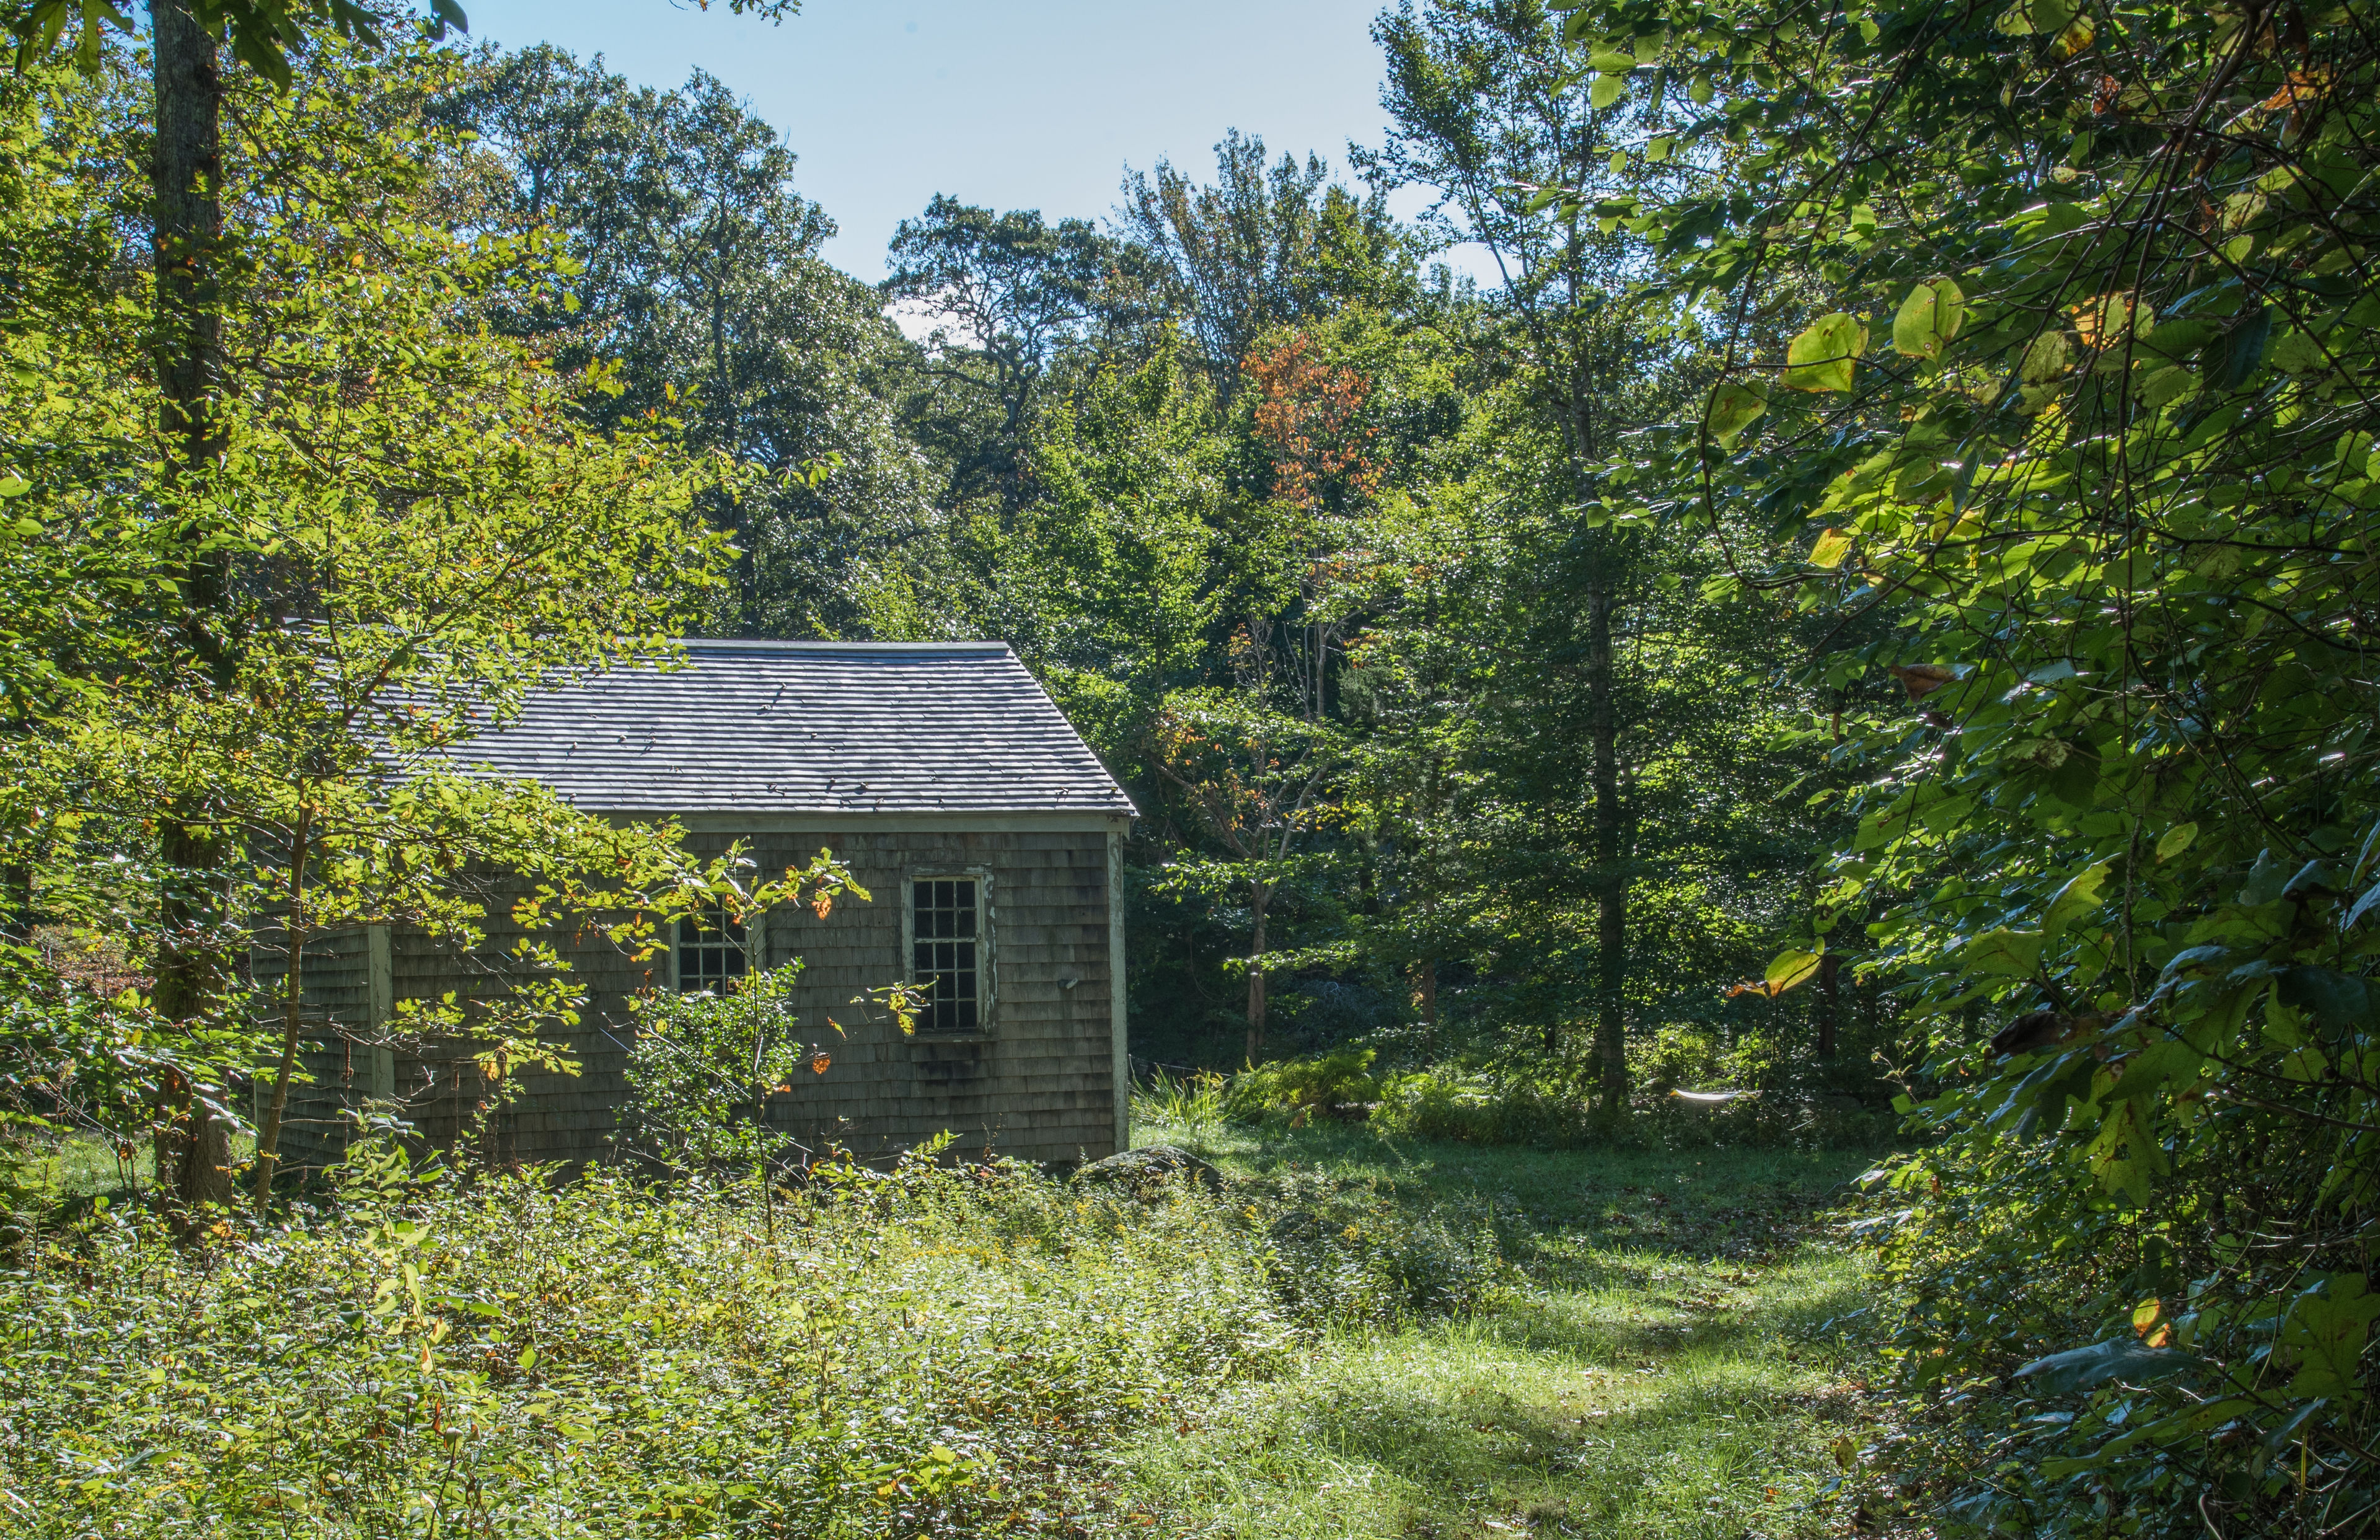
(753, 935)
(987, 952)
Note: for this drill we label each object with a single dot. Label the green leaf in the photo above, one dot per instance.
(2296, 352)
(2336, 999)
(2002, 950)
(2145, 1071)
(2168, 385)
(1832, 547)
(2174, 841)
(2268, 879)
(2075, 778)
(2235, 352)
(2124, 1358)
(2074, 36)
(2075, 900)
(1734, 406)
(1928, 319)
(2027, 18)
(1606, 91)
(1789, 969)
(1821, 357)
(2326, 1325)
(2044, 359)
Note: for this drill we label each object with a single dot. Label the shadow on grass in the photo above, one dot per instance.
(1663, 1372)
(1583, 1325)
(1708, 1449)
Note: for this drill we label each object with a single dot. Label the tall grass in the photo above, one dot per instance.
(921, 1353)
(1191, 1099)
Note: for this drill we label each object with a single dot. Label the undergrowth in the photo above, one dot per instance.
(1345, 1334)
(932, 1351)
(1476, 1106)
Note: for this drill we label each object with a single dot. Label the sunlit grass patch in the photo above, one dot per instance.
(1665, 1359)
(81, 1165)
(1592, 1412)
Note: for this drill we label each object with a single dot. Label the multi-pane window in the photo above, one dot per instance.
(946, 952)
(710, 951)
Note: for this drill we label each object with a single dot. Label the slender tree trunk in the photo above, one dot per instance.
(1260, 898)
(1830, 1004)
(1425, 996)
(1611, 894)
(193, 1145)
(293, 1018)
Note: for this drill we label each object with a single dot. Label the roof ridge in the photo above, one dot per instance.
(765, 644)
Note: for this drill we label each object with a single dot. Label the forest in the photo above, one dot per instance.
(1754, 908)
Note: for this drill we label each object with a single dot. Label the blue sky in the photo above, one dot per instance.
(1012, 105)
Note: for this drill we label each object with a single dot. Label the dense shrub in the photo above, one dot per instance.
(1299, 1088)
(1345, 1260)
(1447, 1104)
(905, 1354)
(879, 1356)
(1475, 1108)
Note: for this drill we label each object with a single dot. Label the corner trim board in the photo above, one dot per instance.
(1120, 1035)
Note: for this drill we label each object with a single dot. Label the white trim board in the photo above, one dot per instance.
(893, 823)
(1118, 1030)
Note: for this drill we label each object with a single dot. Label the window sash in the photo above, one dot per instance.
(710, 951)
(946, 951)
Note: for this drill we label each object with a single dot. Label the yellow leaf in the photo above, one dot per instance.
(1832, 547)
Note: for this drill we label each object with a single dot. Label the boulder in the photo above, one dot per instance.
(1135, 1168)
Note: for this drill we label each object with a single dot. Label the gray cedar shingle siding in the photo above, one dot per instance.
(904, 759)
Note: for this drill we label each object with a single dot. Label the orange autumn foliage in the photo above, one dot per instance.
(1307, 416)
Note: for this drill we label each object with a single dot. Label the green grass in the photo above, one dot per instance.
(1355, 1336)
(81, 1165)
(1662, 1366)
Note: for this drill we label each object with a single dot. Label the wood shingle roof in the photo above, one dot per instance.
(806, 727)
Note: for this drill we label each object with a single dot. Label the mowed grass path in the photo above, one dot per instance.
(1667, 1367)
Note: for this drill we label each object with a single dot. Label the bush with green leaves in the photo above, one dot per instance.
(2044, 339)
(922, 1350)
(1351, 1254)
(1299, 1088)
(704, 1068)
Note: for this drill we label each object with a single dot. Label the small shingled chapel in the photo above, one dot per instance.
(987, 832)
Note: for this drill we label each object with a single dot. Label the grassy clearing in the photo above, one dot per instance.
(1662, 1363)
(1356, 1336)
(81, 1165)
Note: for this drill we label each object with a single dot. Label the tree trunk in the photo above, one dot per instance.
(1259, 897)
(1425, 997)
(193, 1142)
(1611, 884)
(1829, 1005)
(186, 173)
(293, 1017)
